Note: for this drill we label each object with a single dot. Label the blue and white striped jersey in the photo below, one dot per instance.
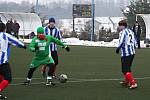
(5, 41)
(127, 42)
(55, 32)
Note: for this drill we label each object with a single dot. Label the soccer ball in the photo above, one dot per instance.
(63, 78)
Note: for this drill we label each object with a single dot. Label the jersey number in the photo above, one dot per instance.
(130, 38)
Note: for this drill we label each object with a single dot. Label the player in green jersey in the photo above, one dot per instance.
(40, 45)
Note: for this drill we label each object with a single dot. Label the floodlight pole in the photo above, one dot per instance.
(37, 7)
(93, 15)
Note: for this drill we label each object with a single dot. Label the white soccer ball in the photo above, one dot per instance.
(63, 78)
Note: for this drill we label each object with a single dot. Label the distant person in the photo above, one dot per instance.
(31, 35)
(15, 28)
(1, 20)
(137, 32)
(127, 44)
(9, 27)
(52, 30)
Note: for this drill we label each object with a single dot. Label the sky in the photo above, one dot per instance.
(43, 1)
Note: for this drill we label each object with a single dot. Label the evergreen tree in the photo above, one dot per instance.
(137, 7)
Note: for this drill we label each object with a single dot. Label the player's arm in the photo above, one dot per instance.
(121, 41)
(46, 31)
(58, 42)
(14, 41)
(59, 35)
(32, 46)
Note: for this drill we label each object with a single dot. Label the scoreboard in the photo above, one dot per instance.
(82, 10)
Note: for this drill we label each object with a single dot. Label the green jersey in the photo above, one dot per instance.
(41, 49)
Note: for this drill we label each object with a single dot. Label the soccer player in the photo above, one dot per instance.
(127, 44)
(5, 71)
(40, 45)
(52, 30)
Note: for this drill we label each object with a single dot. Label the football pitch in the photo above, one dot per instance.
(93, 73)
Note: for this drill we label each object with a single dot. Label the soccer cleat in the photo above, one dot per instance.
(2, 96)
(133, 86)
(27, 82)
(125, 83)
(49, 82)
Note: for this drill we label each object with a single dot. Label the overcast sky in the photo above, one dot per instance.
(44, 1)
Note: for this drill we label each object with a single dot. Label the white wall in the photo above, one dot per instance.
(28, 21)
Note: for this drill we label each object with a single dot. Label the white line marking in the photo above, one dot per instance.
(73, 80)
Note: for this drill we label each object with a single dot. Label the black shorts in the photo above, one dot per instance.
(5, 71)
(127, 63)
(55, 57)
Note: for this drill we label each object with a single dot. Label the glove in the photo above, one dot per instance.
(117, 51)
(67, 48)
(20, 46)
(25, 47)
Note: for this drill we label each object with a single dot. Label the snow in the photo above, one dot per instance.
(77, 42)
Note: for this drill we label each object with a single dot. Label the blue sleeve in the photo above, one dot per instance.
(121, 39)
(59, 35)
(46, 31)
(14, 41)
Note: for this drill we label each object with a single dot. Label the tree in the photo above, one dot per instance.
(32, 9)
(137, 7)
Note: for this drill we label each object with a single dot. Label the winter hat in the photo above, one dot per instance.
(52, 20)
(40, 30)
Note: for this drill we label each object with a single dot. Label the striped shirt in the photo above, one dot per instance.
(127, 42)
(55, 32)
(5, 41)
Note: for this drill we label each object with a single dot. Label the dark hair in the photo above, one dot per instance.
(52, 20)
(123, 23)
(2, 27)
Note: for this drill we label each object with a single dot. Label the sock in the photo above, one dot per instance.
(28, 79)
(3, 85)
(1, 78)
(130, 78)
(49, 78)
(126, 80)
(53, 69)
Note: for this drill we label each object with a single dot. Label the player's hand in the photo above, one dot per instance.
(25, 47)
(117, 51)
(67, 48)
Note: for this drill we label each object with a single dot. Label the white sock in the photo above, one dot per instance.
(49, 77)
(29, 79)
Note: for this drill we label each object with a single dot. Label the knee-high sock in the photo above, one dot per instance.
(30, 72)
(53, 69)
(130, 78)
(3, 85)
(1, 78)
(126, 80)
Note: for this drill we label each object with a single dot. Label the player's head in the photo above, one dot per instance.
(2, 27)
(40, 30)
(51, 22)
(40, 33)
(136, 23)
(122, 24)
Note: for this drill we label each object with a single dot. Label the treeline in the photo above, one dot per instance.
(63, 10)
